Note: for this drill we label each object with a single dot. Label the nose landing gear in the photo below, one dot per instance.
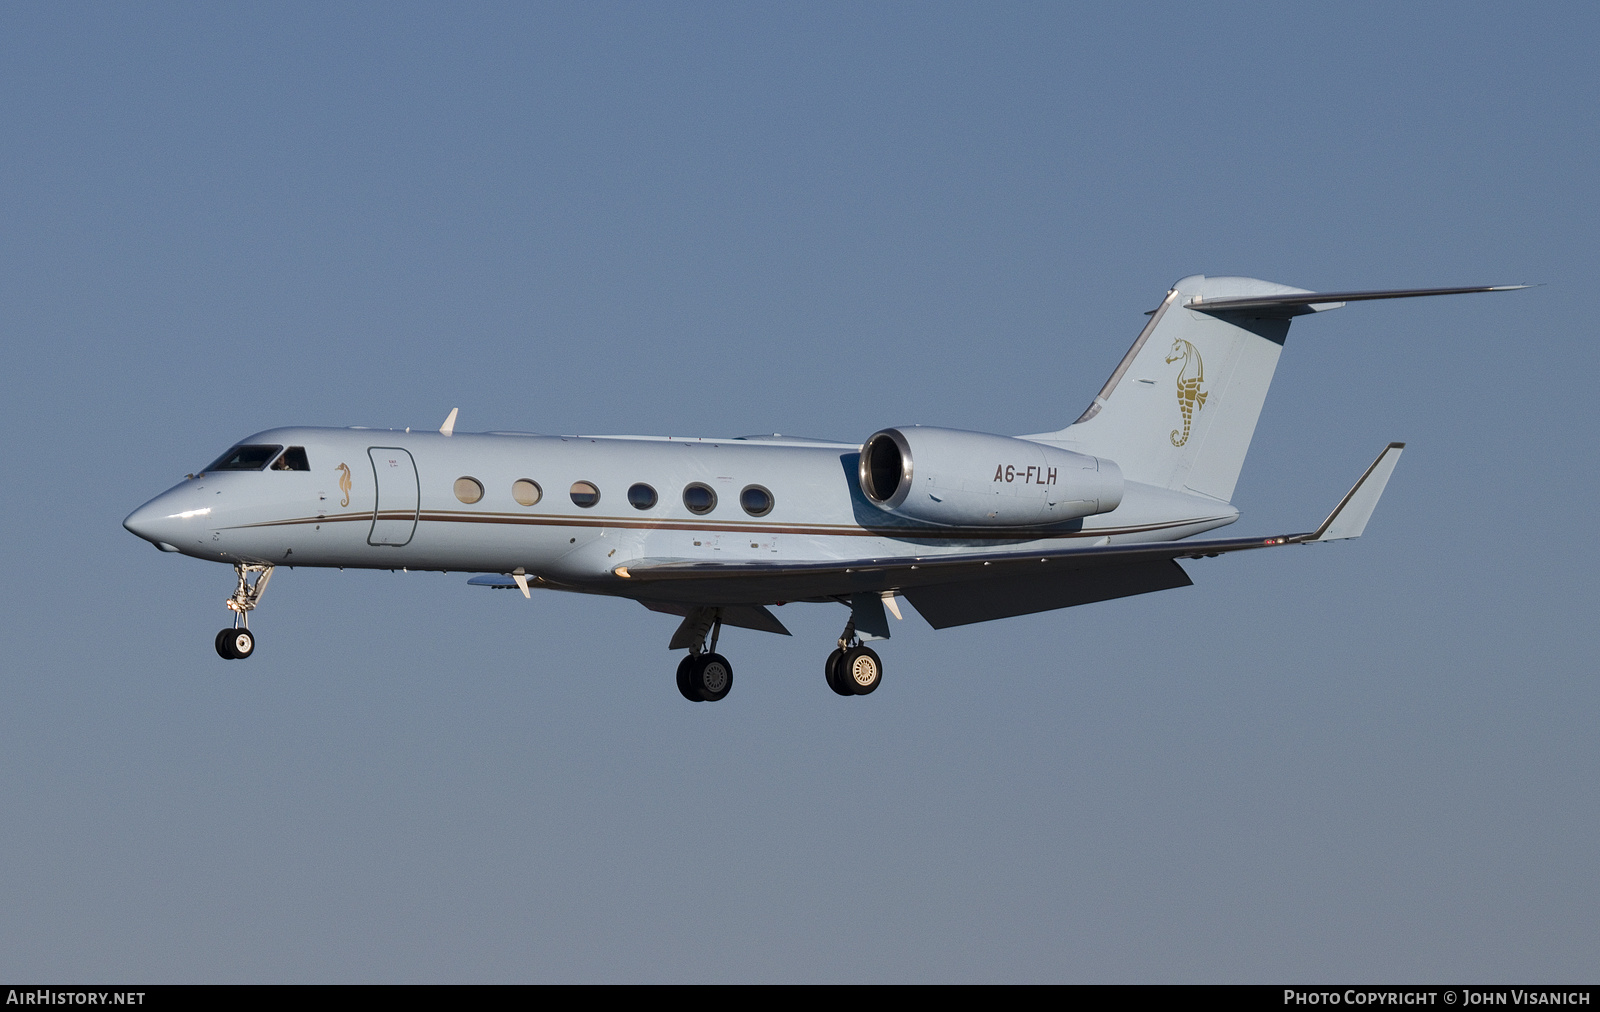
(237, 643)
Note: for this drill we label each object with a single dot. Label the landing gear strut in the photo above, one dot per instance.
(853, 669)
(237, 642)
(705, 676)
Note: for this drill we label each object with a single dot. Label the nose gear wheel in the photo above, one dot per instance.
(235, 644)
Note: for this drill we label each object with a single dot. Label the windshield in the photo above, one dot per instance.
(247, 457)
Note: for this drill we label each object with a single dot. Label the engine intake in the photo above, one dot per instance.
(956, 478)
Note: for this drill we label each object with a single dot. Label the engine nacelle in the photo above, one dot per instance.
(975, 479)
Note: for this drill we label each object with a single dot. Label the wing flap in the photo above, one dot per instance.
(953, 604)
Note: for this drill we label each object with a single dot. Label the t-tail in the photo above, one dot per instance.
(1181, 408)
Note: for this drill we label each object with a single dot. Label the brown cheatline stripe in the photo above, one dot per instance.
(725, 527)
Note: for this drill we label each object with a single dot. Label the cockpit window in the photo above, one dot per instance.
(293, 459)
(248, 457)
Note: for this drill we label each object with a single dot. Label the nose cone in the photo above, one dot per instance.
(164, 521)
(146, 521)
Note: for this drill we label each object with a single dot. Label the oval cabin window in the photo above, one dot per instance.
(526, 492)
(699, 498)
(468, 490)
(756, 500)
(584, 494)
(641, 496)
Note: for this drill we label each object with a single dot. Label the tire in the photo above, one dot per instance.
(222, 644)
(831, 671)
(860, 670)
(240, 644)
(712, 677)
(685, 684)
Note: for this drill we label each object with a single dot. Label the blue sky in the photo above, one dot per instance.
(1372, 760)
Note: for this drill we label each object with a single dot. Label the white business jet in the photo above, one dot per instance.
(966, 526)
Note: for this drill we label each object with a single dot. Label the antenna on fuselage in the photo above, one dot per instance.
(449, 426)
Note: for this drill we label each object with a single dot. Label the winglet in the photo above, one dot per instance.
(449, 426)
(1350, 517)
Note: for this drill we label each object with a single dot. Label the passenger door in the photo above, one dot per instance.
(394, 517)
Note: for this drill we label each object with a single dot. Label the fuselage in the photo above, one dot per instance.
(559, 507)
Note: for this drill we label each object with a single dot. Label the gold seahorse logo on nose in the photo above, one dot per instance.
(1190, 397)
(344, 483)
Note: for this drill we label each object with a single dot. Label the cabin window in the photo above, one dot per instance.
(248, 457)
(699, 498)
(526, 491)
(641, 496)
(584, 494)
(293, 459)
(468, 490)
(756, 500)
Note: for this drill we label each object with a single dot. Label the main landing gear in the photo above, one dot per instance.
(238, 643)
(705, 676)
(854, 669)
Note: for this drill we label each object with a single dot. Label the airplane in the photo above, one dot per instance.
(966, 526)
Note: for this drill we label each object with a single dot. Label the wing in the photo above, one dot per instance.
(976, 587)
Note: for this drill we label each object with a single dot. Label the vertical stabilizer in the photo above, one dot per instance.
(1181, 408)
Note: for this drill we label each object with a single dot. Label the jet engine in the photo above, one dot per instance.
(975, 479)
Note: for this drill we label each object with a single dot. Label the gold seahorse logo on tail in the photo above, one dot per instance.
(1190, 397)
(344, 483)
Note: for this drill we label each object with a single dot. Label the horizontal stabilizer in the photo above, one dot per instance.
(1350, 517)
(1312, 302)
